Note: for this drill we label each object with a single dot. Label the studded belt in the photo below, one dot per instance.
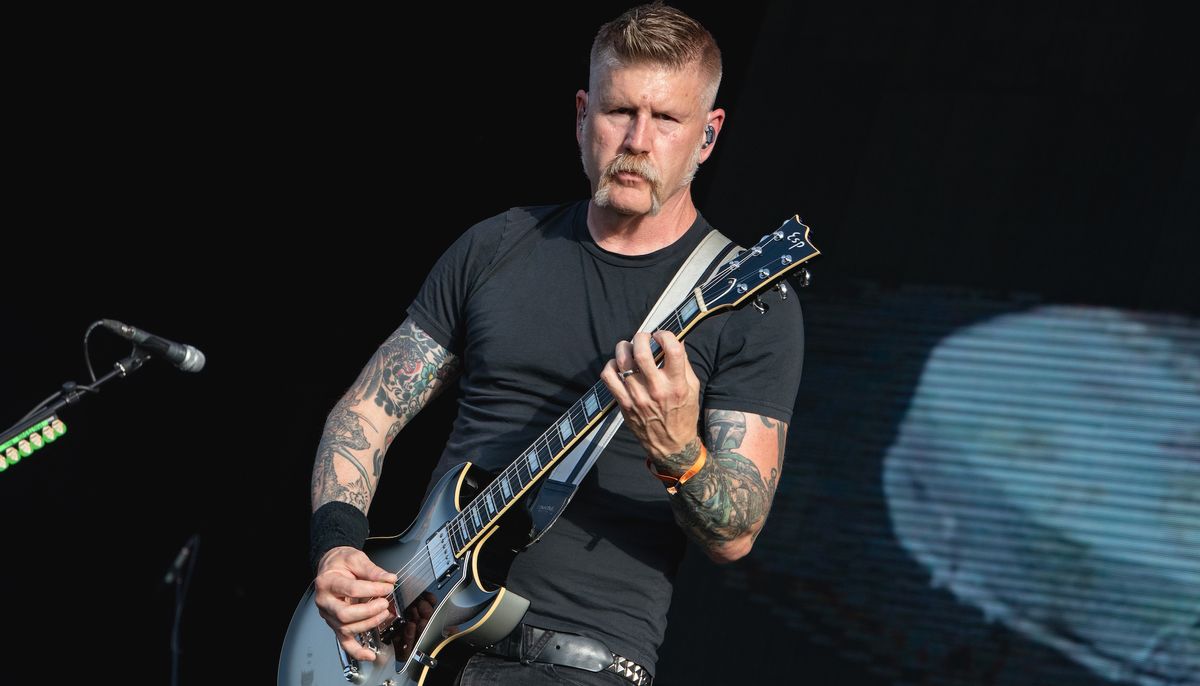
(532, 644)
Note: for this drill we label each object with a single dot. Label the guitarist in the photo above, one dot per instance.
(523, 312)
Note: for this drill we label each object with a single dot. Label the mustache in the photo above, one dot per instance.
(633, 164)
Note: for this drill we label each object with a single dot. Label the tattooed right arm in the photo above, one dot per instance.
(407, 371)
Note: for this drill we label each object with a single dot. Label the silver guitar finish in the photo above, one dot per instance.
(463, 608)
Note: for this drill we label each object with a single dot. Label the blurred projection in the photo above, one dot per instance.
(1047, 472)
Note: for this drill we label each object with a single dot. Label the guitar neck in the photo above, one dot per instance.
(544, 453)
(737, 280)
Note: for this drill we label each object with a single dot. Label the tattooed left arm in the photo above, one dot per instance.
(724, 506)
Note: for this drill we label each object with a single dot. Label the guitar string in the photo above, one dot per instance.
(459, 522)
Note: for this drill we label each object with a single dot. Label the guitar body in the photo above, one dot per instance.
(464, 605)
(451, 562)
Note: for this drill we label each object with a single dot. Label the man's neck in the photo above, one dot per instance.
(641, 234)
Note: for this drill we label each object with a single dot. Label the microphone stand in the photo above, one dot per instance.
(72, 393)
(181, 577)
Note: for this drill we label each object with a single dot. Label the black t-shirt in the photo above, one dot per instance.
(535, 309)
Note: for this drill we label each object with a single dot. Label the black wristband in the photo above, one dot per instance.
(335, 524)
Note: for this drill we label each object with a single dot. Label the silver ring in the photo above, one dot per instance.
(628, 373)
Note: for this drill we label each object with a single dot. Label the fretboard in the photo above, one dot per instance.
(539, 458)
(735, 281)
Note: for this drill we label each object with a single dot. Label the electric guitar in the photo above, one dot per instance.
(451, 561)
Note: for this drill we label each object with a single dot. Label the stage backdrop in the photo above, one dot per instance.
(993, 467)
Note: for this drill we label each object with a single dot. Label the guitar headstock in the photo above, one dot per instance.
(752, 270)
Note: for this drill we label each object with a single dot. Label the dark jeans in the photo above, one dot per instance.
(490, 670)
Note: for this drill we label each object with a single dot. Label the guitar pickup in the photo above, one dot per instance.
(441, 554)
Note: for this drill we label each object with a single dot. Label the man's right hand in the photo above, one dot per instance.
(351, 598)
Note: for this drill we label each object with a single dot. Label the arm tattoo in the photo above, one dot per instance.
(728, 496)
(403, 372)
(343, 434)
(407, 371)
(781, 444)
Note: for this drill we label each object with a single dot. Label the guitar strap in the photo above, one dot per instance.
(560, 485)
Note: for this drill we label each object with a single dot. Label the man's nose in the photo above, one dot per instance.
(637, 137)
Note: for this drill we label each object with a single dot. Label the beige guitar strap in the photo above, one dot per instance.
(713, 251)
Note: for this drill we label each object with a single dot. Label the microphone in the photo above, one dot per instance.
(180, 559)
(183, 356)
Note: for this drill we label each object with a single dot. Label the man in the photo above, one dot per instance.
(524, 309)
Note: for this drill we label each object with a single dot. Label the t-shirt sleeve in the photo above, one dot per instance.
(759, 359)
(440, 306)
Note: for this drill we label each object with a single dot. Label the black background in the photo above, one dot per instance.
(273, 188)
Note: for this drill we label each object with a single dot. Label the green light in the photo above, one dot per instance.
(30, 441)
(33, 429)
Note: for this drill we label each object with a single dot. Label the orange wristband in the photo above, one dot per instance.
(673, 483)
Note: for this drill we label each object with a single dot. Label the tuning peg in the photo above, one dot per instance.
(759, 305)
(805, 277)
(782, 288)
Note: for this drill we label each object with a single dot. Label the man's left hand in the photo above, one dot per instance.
(661, 406)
